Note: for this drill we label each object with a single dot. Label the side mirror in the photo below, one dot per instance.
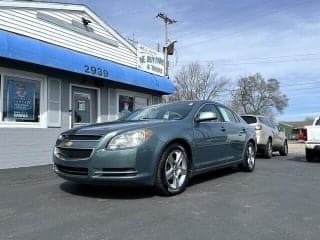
(206, 116)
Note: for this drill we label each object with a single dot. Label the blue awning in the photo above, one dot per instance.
(30, 50)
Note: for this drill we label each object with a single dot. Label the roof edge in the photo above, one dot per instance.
(68, 7)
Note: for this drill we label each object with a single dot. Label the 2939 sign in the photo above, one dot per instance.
(96, 71)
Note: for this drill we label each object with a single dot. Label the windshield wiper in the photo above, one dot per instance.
(147, 118)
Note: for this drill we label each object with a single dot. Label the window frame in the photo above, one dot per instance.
(42, 79)
(232, 113)
(156, 97)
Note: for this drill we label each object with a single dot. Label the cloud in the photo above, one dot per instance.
(236, 35)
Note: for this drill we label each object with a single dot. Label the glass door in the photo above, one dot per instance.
(84, 107)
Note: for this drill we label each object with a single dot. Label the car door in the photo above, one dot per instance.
(210, 140)
(236, 134)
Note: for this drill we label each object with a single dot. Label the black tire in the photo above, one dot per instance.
(246, 164)
(284, 150)
(309, 155)
(268, 149)
(163, 186)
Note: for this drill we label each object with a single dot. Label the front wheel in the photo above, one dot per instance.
(249, 160)
(173, 171)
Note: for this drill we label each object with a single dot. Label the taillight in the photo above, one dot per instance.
(258, 127)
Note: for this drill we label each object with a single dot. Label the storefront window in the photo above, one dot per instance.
(125, 106)
(21, 100)
(156, 100)
(140, 102)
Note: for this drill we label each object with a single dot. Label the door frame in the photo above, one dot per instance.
(71, 100)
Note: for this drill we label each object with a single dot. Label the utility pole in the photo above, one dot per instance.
(166, 21)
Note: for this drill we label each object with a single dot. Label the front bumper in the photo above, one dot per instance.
(313, 146)
(133, 166)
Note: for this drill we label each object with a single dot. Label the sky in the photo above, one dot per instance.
(278, 38)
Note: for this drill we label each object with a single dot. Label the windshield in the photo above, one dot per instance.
(171, 111)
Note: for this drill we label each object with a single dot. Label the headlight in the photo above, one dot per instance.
(59, 139)
(129, 139)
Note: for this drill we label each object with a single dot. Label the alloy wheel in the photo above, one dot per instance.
(250, 156)
(176, 169)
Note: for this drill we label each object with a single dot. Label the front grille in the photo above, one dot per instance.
(72, 170)
(73, 153)
(83, 137)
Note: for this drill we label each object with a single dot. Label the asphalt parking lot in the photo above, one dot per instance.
(279, 200)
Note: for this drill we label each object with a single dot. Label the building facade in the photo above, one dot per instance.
(61, 67)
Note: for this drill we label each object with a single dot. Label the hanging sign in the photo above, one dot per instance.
(150, 60)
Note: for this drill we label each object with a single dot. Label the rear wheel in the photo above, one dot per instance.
(284, 150)
(173, 171)
(268, 149)
(249, 160)
(309, 155)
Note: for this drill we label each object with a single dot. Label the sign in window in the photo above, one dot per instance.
(21, 100)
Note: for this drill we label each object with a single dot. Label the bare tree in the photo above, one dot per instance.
(196, 82)
(255, 95)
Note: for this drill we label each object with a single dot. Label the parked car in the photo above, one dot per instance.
(312, 144)
(163, 146)
(270, 137)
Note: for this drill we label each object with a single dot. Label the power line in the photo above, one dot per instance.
(238, 32)
(252, 62)
(243, 8)
(296, 90)
(257, 58)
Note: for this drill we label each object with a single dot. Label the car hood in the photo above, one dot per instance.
(107, 127)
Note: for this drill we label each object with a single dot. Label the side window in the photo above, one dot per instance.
(271, 123)
(274, 125)
(266, 122)
(227, 114)
(238, 119)
(211, 108)
(156, 100)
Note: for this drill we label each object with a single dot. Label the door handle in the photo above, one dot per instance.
(243, 130)
(223, 129)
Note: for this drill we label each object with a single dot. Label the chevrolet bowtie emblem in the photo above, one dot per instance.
(68, 144)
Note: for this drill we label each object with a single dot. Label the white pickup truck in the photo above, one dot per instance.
(313, 140)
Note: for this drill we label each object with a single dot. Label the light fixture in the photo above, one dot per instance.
(86, 21)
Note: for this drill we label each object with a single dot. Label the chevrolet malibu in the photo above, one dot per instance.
(162, 146)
